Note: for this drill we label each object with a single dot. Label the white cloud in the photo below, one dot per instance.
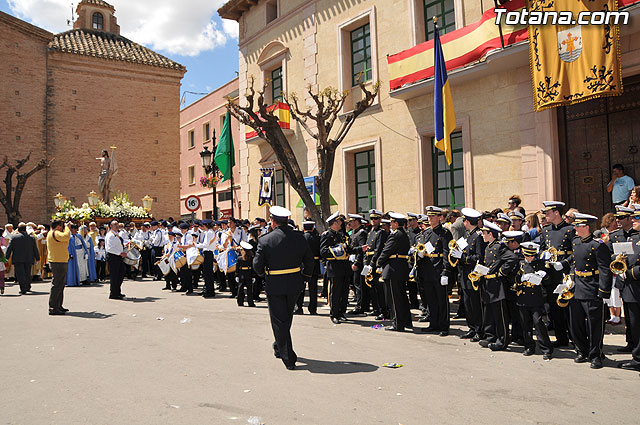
(183, 28)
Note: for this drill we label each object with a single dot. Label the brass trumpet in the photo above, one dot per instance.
(474, 277)
(421, 249)
(554, 255)
(619, 265)
(566, 294)
(453, 245)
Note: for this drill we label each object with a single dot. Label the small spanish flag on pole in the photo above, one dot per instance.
(445, 117)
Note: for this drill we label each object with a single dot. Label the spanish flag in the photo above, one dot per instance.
(445, 117)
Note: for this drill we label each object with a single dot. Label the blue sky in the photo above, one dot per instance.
(195, 36)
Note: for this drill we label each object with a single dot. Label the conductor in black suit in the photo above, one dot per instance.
(23, 251)
(280, 255)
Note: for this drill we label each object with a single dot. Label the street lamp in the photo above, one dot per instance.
(58, 200)
(93, 199)
(146, 203)
(209, 167)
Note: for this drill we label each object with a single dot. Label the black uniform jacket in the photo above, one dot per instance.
(559, 237)
(433, 266)
(393, 260)
(357, 240)
(376, 240)
(590, 271)
(510, 272)
(283, 249)
(22, 249)
(313, 239)
(531, 296)
(471, 255)
(494, 282)
(630, 286)
(334, 267)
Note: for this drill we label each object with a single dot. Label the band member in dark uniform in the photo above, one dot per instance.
(313, 239)
(530, 299)
(629, 286)
(375, 241)
(466, 260)
(244, 274)
(357, 240)
(592, 277)
(557, 235)
(434, 270)
(334, 249)
(279, 257)
(395, 270)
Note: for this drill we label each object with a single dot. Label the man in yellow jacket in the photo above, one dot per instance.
(58, 247)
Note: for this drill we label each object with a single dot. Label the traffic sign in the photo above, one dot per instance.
(193, 203)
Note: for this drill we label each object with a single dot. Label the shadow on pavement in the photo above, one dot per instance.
(334, 368)
(89, 314)
(142, 300)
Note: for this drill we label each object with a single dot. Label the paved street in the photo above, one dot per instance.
(116, 362)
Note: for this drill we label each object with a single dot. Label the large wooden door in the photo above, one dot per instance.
(597, 135)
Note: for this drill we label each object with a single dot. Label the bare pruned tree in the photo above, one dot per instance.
(10, 196)
(318, 121)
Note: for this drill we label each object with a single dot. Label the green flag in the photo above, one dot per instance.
(224, 158)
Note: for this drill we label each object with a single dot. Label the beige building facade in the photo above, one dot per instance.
(501, 146)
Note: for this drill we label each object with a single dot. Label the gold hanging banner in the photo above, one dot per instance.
(573, 63)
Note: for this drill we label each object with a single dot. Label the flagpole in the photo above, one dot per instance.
(231, 171)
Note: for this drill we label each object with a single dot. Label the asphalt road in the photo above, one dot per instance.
(140, 362)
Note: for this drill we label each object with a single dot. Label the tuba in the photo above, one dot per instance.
(565, 296)
(619, 265)
(452, 246)
(474, 277)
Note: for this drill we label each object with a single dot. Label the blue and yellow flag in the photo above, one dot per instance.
(445, 117)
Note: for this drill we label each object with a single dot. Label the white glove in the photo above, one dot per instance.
(412, 250)
(444, 280)
(557, 265)
(545, 255)
(622, 276)
(525, 277)
(237, 279)
(456, 253)
(541, 273)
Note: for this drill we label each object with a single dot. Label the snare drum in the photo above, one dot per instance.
(164, 266)
(232, 260)
(179, 259)
(194, 258)
(132, 258)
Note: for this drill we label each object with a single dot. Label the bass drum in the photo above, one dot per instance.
(132, 258)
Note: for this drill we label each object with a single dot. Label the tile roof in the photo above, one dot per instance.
(105, 45)
(98, 3)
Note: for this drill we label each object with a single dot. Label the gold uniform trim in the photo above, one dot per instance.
(283, 271)
(406, 257)
(587, 274)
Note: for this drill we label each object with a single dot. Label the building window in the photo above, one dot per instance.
(361, 54)
(448, 180)
(206, 132)
(192, 175)
(224, 196)
(279, 189)
(365, 172)
(445, 11)
(276, 85)
(191, 139)
(98, 21)
(272, 10)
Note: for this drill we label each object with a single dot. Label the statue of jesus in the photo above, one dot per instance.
(108, 168)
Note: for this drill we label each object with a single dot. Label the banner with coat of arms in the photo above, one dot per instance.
(573, 63)
(266, 186)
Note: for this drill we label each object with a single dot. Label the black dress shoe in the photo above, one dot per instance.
(251, 305)
(190, 292)
(393, 328)
(64, 309)
(355, 311)
(496, 346)
(430, 329)
(56, 313)
(335, 320)
(596, 363)
(424, 319)
(468, 335)
(444, 333)
(181, 290)
(116, 297)
(291, 367)
(626, 349)
(344, 319)
(298, 311)
(529, 352)
(547, 356)
(476, 338)
(166, 288)
(313, 313)
(459, 316)
(632, 365)
(581, 359)
(380, 317)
